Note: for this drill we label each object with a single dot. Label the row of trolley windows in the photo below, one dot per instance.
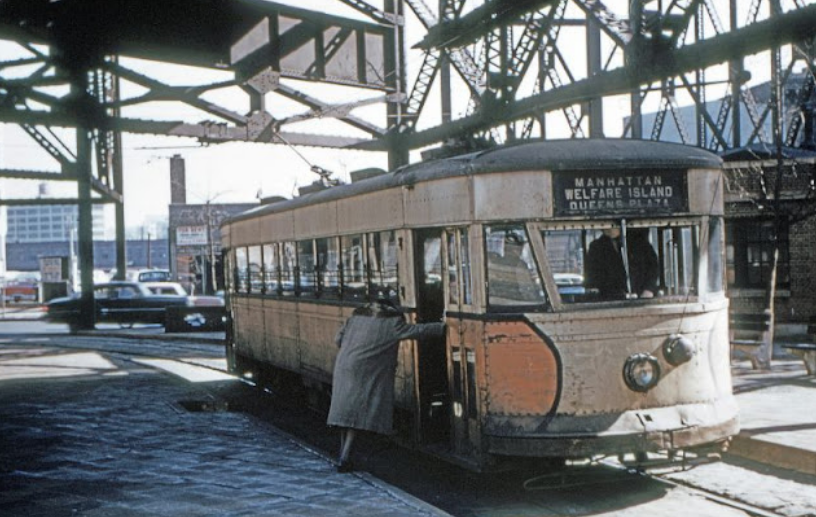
(352, 267)
(661, 260)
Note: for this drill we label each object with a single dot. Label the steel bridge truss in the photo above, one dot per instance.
(576, 68)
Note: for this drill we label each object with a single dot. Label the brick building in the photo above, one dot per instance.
(750, 231)
(194, 234)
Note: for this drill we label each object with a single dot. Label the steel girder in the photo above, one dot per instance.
(663, 56)
(517, 62)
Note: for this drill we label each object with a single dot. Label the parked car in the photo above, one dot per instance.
(570, 286)
(120, 302)
(207, 301)
(176, 288)
(162, 287)
(150, 275)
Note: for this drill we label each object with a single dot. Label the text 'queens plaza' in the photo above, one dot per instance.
(617, 192)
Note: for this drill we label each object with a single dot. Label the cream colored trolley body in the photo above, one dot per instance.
(536, 361)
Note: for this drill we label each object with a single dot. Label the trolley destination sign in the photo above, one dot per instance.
(619, 192)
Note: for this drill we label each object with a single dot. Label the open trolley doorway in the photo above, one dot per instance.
(431, 359)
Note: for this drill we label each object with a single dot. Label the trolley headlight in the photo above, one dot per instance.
(641, 372)
(678, 349)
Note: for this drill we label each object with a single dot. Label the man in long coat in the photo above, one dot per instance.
(363, 385)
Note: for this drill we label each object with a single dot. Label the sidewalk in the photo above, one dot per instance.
(99, 434)
(777, 414)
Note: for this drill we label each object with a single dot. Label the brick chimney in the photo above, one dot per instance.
(178, 182)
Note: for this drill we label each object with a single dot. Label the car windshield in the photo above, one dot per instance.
(166, 289)
(154, 276)
(163, 290)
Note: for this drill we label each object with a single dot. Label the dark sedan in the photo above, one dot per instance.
(125, 303)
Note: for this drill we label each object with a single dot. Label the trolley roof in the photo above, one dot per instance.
(553, 155)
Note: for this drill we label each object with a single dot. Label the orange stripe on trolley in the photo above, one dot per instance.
(522, 370)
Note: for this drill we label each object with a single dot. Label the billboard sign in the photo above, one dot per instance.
(191, 236)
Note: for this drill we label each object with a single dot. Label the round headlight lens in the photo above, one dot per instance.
(641, 372)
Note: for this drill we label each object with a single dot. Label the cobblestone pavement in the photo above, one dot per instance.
(87, 433)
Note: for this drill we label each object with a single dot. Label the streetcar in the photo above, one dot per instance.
(537, 362)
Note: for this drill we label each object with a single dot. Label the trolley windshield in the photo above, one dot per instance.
(634, 260)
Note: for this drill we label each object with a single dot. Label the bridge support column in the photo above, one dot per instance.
(84, 175)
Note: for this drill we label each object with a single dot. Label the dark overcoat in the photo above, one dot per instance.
(605, 270)
(363, 385)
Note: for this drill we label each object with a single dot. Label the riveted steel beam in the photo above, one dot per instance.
(478, 22)
(649, 67)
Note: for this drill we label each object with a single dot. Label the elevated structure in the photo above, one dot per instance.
(487, 72)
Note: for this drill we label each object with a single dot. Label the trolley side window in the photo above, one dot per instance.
(620, 261)
(716, 272)
(383, 260)
(467, 272)
(307, 268)
(241, 270)
(328, 267)
(460, 284)
(271, 269)
(512, 275)
(453, 273)
(353, 263)
(288, 268)
(255, 273)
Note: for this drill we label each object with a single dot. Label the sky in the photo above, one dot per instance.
(233, 172)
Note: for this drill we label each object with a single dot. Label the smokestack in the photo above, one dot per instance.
(178, 182)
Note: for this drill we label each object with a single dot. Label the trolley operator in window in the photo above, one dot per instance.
(363, 386)
(608, 263)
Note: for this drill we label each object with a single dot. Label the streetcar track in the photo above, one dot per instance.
(750, 509)
(578, 478)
